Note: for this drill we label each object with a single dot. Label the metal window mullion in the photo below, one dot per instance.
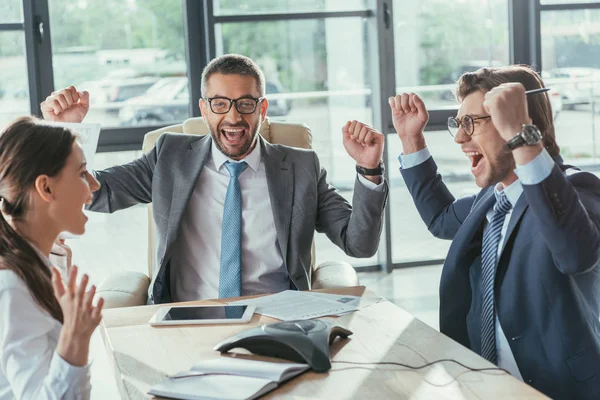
(18, 26)
(525, 33)
(569, 7)
(223, 19)
(38, 48)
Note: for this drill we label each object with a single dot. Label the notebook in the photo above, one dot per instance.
(227, 378)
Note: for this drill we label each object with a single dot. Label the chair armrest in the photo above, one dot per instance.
(332, 274)
(125, 289)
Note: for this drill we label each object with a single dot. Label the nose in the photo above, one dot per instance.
(461, 136)
(233, 115)
(93, 182)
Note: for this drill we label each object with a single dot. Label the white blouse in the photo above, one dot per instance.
(30, 367)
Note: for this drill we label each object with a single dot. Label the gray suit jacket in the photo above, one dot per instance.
(302, 201)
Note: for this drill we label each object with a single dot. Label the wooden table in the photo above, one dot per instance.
(142, 355)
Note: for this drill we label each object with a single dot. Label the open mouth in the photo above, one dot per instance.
(234, 135)
(476, 158)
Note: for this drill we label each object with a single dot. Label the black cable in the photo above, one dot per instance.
(421, 366)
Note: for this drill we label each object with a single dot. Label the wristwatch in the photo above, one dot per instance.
(528, 136)
(371, 171)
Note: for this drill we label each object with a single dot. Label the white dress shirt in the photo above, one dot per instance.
(196, 256)
(529, 174)
(30, 367)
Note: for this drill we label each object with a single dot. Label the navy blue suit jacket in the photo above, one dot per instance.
(548, 278)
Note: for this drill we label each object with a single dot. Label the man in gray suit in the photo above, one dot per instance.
(219, 233)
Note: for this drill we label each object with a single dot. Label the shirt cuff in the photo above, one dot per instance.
(536, 170)
(371, 185)
(414, 159)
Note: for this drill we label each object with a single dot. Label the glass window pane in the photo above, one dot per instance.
(14, 84)
(570, 58)
(436, 41)
(237, 7)
(134, 67)
(313, 77)
(11, 11)
(411, 241)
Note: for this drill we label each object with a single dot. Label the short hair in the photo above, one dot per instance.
(233, 64)
(540, 110)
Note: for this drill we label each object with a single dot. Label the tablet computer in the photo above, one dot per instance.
(195, 315)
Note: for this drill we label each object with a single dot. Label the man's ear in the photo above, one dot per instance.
(202, 105)
(44, 188)
(264, 105)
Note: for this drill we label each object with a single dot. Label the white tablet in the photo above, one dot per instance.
(194, 315)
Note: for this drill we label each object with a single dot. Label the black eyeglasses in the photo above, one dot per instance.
(466, 122)
(222, 105)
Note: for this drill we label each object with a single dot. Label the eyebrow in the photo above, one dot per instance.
(83, 164)
(241, 97)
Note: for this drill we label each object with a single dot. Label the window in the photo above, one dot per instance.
(118, 51)
(436, 41)
(232, 7)
(313, 77)
(570, 59)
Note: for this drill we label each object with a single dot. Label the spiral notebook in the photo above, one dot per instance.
(227, 378)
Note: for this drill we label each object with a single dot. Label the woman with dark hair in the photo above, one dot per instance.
(45, 325)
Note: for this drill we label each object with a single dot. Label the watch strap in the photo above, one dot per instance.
(371, 171)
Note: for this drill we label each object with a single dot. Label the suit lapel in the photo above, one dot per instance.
(280, 181)
(515, 217)
(191, 162)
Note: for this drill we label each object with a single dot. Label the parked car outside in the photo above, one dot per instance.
(168, 101)
(577, 86)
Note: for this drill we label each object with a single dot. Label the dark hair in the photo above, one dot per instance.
(233, 64)
(28, 149)
(540, 111)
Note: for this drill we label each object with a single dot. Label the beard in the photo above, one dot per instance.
(502, 166)
(235, 152)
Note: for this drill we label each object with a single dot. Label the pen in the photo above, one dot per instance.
(536, 91)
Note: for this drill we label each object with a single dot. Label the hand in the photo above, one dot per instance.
(507, 105)
(61, 255)
(67, 105)
(363, 143)
(410, 117)
(80, 316)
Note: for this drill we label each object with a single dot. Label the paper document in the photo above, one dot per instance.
(227, 378)
(355, 301)
(290, 305)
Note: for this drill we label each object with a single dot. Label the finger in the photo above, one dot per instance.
(84, 99)
(81, 288)
(398, 103)
(97, 311)
(368, 140)
(362, 132)
(89, 298)
(62, 100)
(72, 281)
(392, 104)
(346, 130)
(56, 107)
(68, 94)
(57, 283)
(411, 102)
(352, 129)
(404, 103)
(418, 102)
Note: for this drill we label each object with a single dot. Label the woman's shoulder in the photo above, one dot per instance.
(9, 280)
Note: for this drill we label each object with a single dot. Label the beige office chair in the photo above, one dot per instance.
(130, 288)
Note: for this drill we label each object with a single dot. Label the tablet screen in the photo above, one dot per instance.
(199, 313)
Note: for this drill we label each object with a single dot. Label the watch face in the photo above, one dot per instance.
(531, 134)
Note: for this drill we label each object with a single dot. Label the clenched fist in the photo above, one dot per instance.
(363, 143)
(66, 105)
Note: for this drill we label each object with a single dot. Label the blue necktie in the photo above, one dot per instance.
(230, 278)
(489, 261)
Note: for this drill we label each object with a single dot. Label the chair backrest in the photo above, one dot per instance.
(289, 134)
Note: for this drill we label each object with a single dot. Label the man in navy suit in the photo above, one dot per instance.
(521, 283)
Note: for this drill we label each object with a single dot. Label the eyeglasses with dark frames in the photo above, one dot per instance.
(243, 105)
(466, 122)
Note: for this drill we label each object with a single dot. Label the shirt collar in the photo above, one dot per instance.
(252, 159)
(512, 191)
